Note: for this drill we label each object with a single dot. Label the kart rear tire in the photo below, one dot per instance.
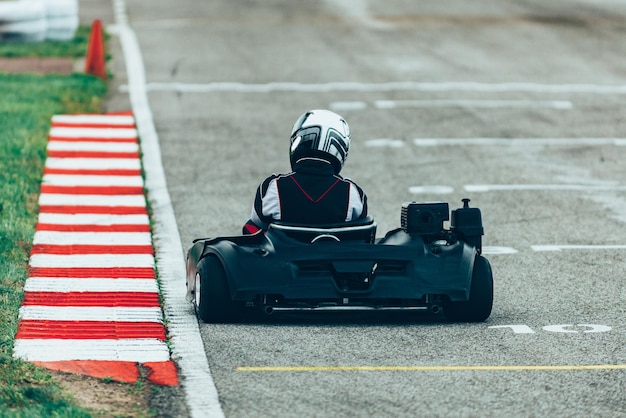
(212, 300)
(478, 307)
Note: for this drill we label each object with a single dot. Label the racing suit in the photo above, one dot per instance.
(311, 194)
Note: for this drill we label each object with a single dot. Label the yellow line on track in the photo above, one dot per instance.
(423, 368)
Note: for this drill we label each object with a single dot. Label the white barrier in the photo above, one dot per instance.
(38, 20)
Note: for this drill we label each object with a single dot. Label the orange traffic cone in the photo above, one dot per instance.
(95, 62)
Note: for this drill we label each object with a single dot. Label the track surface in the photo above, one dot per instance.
(516, 105)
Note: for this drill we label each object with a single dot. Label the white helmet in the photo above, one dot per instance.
(321, 134)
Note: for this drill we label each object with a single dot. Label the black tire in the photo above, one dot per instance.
(213, 303)
(478, 307)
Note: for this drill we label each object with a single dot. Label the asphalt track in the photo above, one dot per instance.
(517, 105)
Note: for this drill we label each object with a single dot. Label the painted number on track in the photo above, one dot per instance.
(561, 328)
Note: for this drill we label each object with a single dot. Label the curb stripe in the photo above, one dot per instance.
(91, 302)
(87, 134)
(94, 163)
(86, 171)
(113, 121)
(113, 273)
(93, 125)
(91, 180)
(105, 299)
(90, 190)
(69, 200)
(92, 140)
(93, 228)
(59, 145)
(91, 260)
(92, 313)
(135, 350)
(89, 330)
(93, 219)
(92, 238)
(43, 284)
(91, 154)
(114, 210)
(91, 249)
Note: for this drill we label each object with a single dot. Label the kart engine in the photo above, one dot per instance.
(467, 224)
(426, 220)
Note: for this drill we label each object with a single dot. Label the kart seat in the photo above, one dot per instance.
(360, 230)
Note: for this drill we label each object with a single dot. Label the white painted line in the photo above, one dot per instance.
(543, 248)
(481, 104)
(91, 260)
(86, 180)
(93, 146)
(107, 314)
(432, 189)
(498, 250)
(518, 142)
(92, 219)
(235, 87)
(94, 119)
(45, 284)
(103, 133)
(481, 188)
(51, 199)
(183, 329)
(94, 163)
(342, 106)
(92, 238)
(139, 350)
(384, 143)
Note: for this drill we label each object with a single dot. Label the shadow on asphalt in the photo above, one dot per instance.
(344, 318)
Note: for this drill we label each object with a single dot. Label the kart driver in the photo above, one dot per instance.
(314, 192)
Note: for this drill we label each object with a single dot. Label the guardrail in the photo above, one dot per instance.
(38, 20)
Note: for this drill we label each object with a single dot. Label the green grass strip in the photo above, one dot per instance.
(27, 104)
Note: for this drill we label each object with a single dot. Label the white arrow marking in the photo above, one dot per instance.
(595, 328)
(560, 328)
(517, 329)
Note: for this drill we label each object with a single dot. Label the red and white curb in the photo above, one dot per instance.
(91, 301)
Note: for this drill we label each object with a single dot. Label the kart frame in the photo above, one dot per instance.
(420, 266)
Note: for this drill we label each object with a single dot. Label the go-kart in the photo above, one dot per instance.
(419, 266)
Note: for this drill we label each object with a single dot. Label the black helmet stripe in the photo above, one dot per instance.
(336, 139)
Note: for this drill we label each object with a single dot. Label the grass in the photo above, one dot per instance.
(27, 103)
